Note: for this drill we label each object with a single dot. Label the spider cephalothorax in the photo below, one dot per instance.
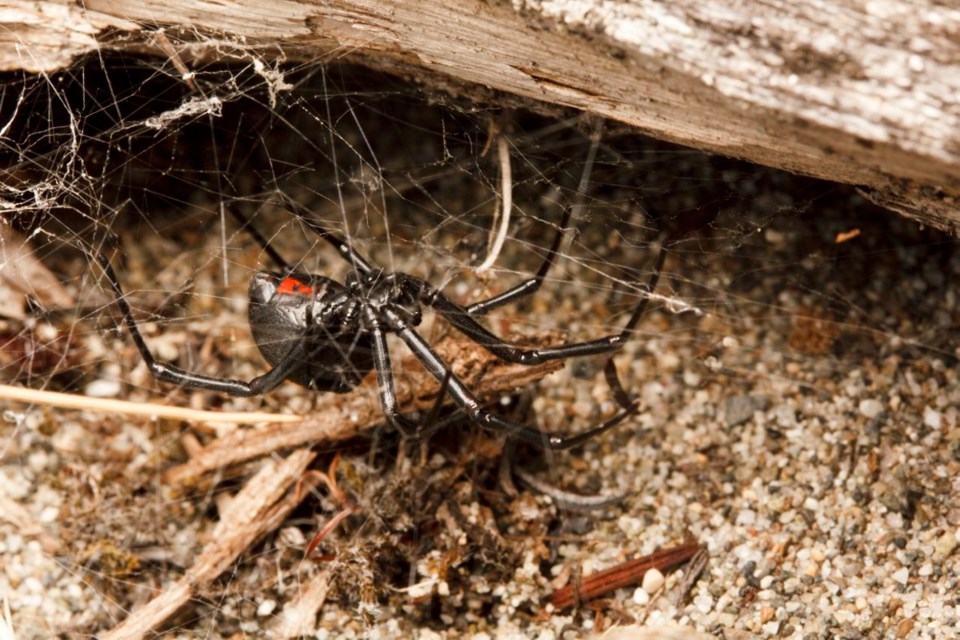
(327, 336)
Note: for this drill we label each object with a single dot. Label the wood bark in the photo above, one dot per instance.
(864, 93)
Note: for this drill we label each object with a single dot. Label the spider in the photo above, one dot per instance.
(326, 335)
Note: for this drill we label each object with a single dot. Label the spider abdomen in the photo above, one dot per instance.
(315, 315)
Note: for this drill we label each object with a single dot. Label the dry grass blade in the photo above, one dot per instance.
(148, 409)
(343, 417)
(567, 499)
(6, 622)
(257, 509)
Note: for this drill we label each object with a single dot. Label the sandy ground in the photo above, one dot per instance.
(799, 418)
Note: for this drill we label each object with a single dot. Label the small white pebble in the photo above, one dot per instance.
(652, 581)
(771, 629)
(13, 543)
(704, 603)
(49, 515)
(30, 586)
(37, 461)
(73, 592)
(901, 575)
(640, 597)
(103, 389)
(669, 361)
(870, 408)
(843, 616)
(931, 418)
(266, 608)
(292, 537)
(630, 526)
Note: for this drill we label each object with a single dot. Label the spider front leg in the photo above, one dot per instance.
(464, 398)
(388, 394)
(460, 318)
(527, 287)
(167, 372)
(463, 318)
(344, 249)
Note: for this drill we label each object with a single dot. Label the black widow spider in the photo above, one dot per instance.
(327, 336)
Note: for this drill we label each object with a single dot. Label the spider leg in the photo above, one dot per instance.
(247, 225)
(527, 287)
(388, 395)
(461, 318)
(346, 252)
(649, 287)
(429, 423)
(167, 372)
(457, 390)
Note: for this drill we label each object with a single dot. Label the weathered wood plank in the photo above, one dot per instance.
(861, 93)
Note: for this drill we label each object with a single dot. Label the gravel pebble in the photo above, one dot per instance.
(739, 409)
(103, 389)
(870, 408)
(945, 546)
(652, 581)
(640, 597)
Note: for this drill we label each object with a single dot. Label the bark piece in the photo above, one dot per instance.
(260, 507)
(860, 93)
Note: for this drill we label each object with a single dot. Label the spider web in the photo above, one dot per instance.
(800, 347)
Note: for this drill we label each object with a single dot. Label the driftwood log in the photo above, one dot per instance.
(864, 93)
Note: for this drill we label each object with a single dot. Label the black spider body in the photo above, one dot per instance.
(327, 336)
(329, 319)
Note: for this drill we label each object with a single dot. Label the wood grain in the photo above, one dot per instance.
(860, 93)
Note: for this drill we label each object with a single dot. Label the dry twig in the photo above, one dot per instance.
(622, 575)
(506, 194)
(260, 507)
